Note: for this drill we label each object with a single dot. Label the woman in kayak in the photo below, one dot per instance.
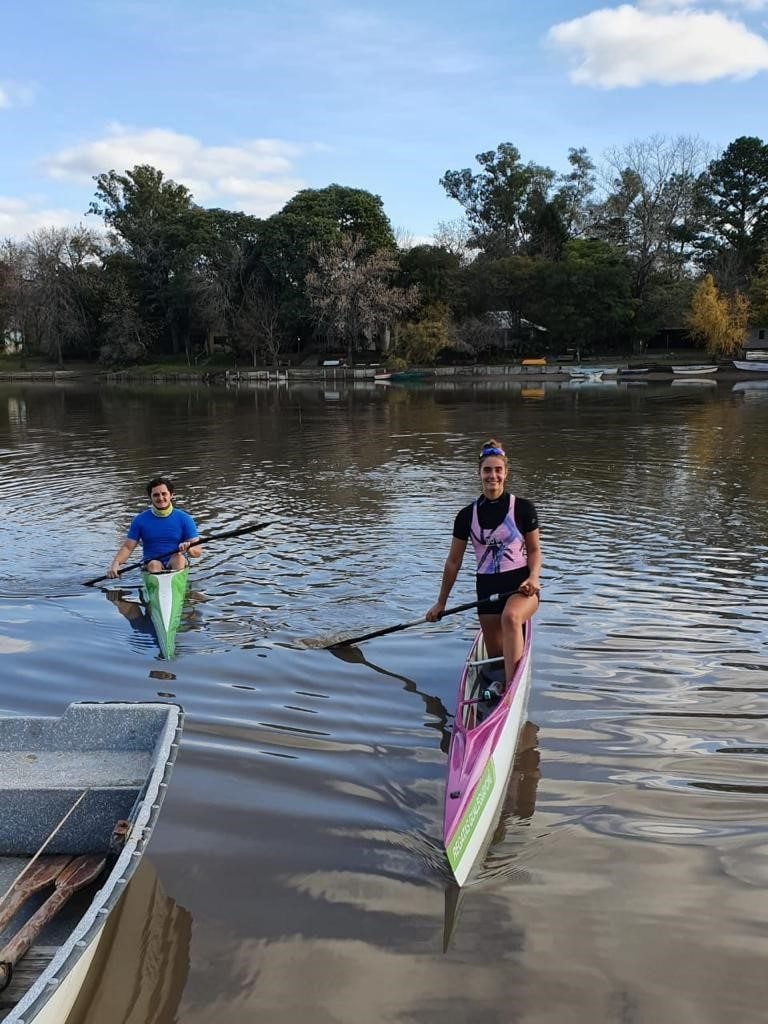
(504, 531)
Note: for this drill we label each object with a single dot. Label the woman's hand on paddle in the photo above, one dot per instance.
(529, 588)
(435, 612)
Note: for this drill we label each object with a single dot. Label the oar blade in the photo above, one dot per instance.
(42, 873)
(77, 874)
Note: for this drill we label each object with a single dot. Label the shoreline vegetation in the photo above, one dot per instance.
(658, 247)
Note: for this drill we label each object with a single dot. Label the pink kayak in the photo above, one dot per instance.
(482, 752)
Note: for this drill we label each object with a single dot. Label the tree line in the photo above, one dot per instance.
(600, 258)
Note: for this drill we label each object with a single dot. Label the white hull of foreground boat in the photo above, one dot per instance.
(114, 761)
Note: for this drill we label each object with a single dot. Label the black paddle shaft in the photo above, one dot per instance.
(419, 622)
(200, 540)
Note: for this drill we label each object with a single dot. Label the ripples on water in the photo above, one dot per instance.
(627, 877)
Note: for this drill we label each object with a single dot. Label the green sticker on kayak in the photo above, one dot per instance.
(469, 818)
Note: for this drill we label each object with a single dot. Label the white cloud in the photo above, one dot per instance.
(20, 217)
(16, 94)
(258, 175)
(629, 46)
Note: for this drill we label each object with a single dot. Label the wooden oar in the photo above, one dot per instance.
(41, 874)
(200, 540)
(80, 872)
(417, 622)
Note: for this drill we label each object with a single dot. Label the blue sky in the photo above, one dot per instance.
(248, 102)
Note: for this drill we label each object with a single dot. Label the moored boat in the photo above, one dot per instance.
(163, 593)
(693, 370)
(751, 365)
(482, 752)
(80, 796)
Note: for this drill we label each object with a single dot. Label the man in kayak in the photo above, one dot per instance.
(504, 531)
(167, 534)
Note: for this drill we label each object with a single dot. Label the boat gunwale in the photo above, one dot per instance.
(47, 984)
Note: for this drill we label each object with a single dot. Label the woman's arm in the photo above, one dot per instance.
(450, 572)
(532, 585)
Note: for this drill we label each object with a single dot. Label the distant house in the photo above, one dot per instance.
(512, 328)
(756, 343)
(13, 341)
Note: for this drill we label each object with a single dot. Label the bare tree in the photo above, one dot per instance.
(62, 269)
(351, 291)
(258, 322)
(454, 236)
(648, 210)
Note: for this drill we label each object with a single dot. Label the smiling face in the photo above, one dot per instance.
(160, 496)
(493, 474)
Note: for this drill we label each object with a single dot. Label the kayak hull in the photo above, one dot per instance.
(163, 594)
(481, 756)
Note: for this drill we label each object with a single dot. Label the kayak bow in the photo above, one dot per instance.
(163, 594)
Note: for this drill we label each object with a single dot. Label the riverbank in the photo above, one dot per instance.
(658, 368)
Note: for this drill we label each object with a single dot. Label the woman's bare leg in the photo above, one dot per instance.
(517, 611)
(491, 627)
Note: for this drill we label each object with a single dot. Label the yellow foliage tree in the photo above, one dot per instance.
(720, 321)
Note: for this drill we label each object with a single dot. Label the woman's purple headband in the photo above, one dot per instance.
(492, 451)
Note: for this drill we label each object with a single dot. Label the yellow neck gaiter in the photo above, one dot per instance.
(162, 512)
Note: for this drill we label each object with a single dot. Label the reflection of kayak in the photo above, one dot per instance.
(519, 802)
(482, 750)
(163, 593)
(83, 789)
(142, 963)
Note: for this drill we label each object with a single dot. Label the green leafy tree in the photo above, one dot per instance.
(419, 342)
(758, 293)
(504, 202)
(435, 270)
(733, 202)
(154, 222)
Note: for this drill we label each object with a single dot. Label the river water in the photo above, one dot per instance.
(300, 842)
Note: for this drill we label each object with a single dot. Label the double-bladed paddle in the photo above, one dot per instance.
(418, 622)
(199, 540)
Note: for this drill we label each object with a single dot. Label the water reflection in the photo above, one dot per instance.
(141, 965)
(505, 860)
(303, 824)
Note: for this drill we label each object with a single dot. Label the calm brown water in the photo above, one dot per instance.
(299, 848)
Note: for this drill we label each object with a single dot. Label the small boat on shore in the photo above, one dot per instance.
(685, 371)
(80, 796)
(163, 594)
(751, 365)
(481, 753)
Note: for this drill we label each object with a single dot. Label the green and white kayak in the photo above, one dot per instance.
(163, 594)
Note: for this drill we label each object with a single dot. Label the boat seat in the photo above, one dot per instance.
(41, 786)
(486, 661)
